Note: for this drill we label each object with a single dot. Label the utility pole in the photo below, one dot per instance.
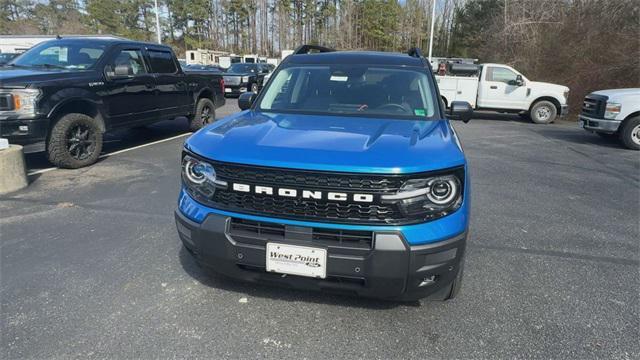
(433, 22)
(158, 23)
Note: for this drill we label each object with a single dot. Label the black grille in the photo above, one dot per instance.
(594, 105)
(318, 210)
(6, 102)
(320, 236)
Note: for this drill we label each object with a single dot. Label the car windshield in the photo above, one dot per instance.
(351, 90)
(242, 68)
(58, 55)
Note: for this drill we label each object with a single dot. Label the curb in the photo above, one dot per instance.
(13, 174)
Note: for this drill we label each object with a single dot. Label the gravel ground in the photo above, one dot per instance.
(91, 265)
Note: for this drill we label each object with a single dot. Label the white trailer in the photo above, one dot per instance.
(226, 61)
(285, 53)
(501, 88)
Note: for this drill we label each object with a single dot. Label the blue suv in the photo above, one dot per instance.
(343, 175)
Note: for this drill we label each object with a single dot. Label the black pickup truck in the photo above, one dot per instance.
(245, 77)
(62, 95)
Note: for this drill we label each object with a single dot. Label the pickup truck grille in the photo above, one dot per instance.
(6, 102)
(594, 106)
(232, 80)
(298, 208)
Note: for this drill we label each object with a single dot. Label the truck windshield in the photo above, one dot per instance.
(58, 55)
(351, 90)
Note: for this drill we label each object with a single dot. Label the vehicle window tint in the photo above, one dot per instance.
(500, 74)
(128, 62)
(162, 62)
(354, 90)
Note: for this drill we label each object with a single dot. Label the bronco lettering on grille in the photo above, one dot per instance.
(305, 194)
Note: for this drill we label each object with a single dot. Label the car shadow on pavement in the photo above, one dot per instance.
(122, 139)
(583, 138)
(275, 292)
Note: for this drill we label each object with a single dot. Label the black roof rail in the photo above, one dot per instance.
(415, 52)
(306, 49)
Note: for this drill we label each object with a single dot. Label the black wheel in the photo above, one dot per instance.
(630, 133)
(543, 112)
(205, 114)
(75, 141)
(254, 88)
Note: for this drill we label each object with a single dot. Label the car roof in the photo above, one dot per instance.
(357, 57)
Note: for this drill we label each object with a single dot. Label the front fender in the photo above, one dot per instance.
(66, 95)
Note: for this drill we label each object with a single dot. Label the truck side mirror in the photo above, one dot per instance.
(519, 81)
(246, 100)
(460, 110)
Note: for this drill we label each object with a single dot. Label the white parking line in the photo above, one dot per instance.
(41, 171)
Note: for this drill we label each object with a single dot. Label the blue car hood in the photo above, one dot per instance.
(329, 143)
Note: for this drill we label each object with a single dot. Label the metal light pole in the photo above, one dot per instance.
(158, 23)
(433, 22)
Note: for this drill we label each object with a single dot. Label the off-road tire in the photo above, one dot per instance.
(629, 132)
(64, 134)
(543, 112)
(202, 117)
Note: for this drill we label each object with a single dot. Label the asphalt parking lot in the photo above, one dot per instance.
(91, 265)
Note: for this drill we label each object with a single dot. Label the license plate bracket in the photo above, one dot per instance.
(296, 260)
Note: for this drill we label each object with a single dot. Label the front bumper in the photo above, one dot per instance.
(236, 90)
(390, 268)
(599, 125)
(31, 133)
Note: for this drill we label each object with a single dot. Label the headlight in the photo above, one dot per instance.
(612, 110)
(20, 101)
(199, 177)
(244, 79)
(431, 197)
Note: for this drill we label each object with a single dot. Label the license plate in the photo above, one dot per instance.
(227, 89)
(297, 260)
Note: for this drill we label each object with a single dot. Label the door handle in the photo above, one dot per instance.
(493, 86)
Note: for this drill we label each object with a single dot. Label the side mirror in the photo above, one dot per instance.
(119, 72)
(460, 110)
(519, 80)
(246, 100)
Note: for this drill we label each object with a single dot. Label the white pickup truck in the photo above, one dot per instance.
(613, 113)
(501, 88)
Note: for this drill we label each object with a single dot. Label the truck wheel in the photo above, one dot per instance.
(543, 112)
(254, 88)
(205, 114)
(630, 133)
(75, 141)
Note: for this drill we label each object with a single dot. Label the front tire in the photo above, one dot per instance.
(75, 141)
(205, 114)
(630, 133)
(543, 112)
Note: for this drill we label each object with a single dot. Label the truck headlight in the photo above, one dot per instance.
(20, 101)
(612, 110)
(244, 79)
(199, 177)
(430, 197)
